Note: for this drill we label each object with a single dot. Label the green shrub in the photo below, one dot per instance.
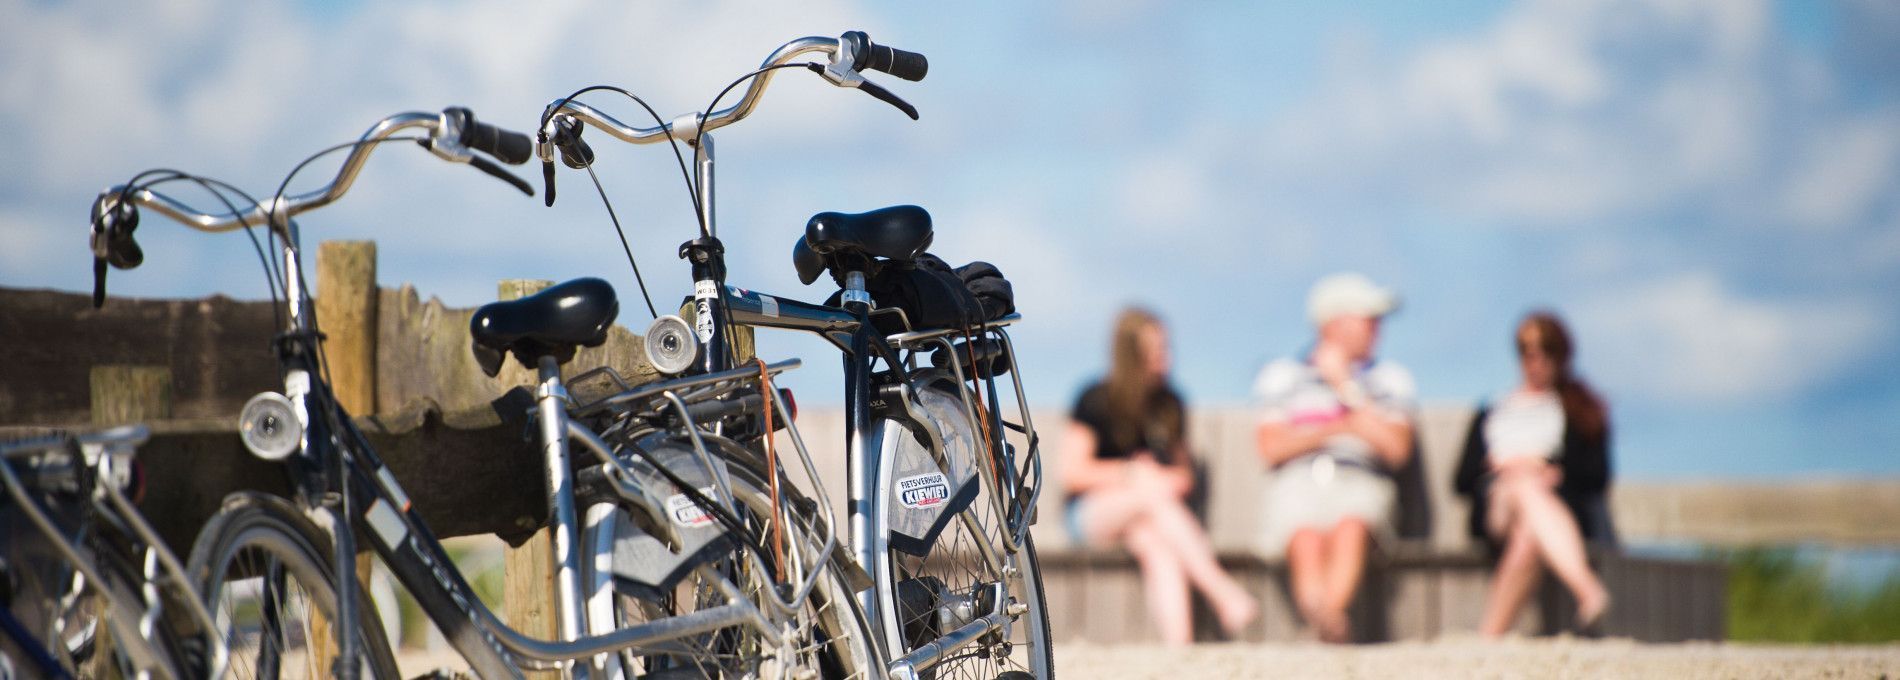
(1775, 595)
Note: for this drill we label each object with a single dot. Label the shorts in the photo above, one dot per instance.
(1316, 492)
(1072, 519)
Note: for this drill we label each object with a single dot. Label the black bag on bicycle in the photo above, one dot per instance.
(931, 294)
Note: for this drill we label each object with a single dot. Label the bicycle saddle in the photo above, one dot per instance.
(553, 322)
(900, 232)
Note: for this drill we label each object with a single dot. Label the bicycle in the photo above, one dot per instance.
(91, 589)
(940, 506)
(280, 572)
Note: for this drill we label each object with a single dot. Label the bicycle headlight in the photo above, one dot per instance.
(670, 344)
(269, 426)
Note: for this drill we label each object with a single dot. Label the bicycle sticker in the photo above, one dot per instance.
(923, 491)
(705, 290)
(686, 513)
(768, 306)
(703, 321)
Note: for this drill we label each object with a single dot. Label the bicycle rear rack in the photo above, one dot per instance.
(1024, 480)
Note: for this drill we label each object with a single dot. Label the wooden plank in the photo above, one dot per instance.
(130, 394)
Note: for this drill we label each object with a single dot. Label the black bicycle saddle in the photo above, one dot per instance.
(900, 232)
(554, 322)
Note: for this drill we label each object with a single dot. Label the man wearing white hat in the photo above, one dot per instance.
(1333, 428)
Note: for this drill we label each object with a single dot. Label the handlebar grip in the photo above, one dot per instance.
(907, 65)
(508, 147)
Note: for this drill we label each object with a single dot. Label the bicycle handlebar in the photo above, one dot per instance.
(849, 54)
(453, 135)
(448, 139)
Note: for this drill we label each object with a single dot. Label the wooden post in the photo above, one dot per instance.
(346, 311)
(528, 569)
(346, 308)
(130, 394)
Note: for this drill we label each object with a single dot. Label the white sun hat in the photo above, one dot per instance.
(1349, 294)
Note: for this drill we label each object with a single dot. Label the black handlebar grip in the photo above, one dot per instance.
(508, 147)
(906, 65)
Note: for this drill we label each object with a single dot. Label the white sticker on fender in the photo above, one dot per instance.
(686, 513)
(923, 491)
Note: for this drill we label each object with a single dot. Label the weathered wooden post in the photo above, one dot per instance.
(346, 311)
(528, 569)
(346, 308)
(130, 394)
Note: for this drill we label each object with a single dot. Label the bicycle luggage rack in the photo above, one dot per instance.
(1026, 477)
(652, 400)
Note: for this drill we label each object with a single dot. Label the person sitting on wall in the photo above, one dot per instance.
(1536, 466)
(1126, 468)
(1333, 427)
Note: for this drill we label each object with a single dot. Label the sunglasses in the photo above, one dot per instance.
(1524, 350)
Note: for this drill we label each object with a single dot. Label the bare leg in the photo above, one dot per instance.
(1345, 564)
(1173, 522)
(1519, 570)
(1164, 580)
(1112, 510)
(1306, 568)
(1561, 544)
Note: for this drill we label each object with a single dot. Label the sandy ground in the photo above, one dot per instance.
(1475, 658)
(1451, 658)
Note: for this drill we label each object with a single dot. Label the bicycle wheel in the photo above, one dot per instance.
(265, 574)
(947, 563)
(829, 636)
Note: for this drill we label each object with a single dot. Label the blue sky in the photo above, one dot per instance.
(1707, 190)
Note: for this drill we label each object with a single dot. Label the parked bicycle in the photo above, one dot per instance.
(90, 590)
(940, 503)
(279, 572)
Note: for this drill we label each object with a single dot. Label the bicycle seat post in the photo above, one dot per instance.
(551, 400)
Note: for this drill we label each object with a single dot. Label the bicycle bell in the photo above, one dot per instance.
(670, 345)
(269, 426)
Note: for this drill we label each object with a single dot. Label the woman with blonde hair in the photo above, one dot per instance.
(1536, 466)
(1126, 468)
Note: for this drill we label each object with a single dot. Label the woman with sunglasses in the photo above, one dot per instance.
(1536, 466)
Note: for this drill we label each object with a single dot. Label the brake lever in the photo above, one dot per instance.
(547, 180)
(98, 282)
(878, 91)
(491, 168)
(872, 89)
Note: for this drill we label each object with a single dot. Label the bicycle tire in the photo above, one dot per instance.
(951, 564)
(252, 539)
(841, 643)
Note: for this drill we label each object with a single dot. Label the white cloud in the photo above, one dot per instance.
(1690, 337)
(1166, 190)
(1569, 112)
(1844, 170)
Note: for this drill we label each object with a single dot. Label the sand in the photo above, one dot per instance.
(1476, 658)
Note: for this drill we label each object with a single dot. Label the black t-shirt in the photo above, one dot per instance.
(1092, 411)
